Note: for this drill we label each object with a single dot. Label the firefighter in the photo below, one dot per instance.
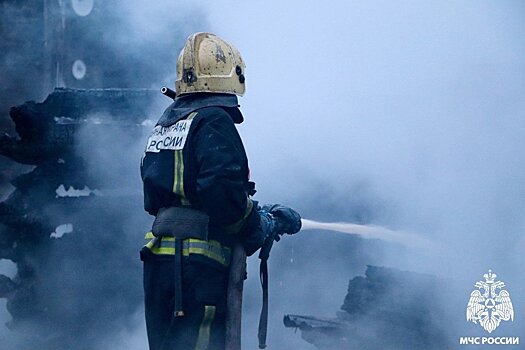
(196, 183)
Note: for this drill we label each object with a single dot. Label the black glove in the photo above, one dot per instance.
(286, 219)
(269, 221)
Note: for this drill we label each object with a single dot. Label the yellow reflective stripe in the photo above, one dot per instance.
(211, 249)
(203, 339)
(201, 251)
(152, 243)
(236, 226)
(149, 235)
(178, 171)
(163, 250)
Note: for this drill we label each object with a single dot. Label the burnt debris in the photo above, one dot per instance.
(73, 225)
(385, 309)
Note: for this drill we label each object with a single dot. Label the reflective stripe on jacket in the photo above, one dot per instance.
(211, 249)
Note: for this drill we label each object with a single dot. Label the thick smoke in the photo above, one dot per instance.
(92, 278)
(404, 114)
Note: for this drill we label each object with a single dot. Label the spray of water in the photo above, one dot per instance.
(370, 232)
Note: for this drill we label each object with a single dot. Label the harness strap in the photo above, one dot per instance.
(179, 312)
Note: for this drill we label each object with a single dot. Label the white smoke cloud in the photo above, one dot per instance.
(405, 114)
(416, 107)
(422, 101)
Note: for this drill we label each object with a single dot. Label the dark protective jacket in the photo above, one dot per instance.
(195, 157)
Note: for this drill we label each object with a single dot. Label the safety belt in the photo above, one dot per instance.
(180, 223)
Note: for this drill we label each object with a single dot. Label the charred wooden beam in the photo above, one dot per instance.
(65, 236)
(385, 309)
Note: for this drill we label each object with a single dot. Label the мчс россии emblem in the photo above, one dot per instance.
(490, 303)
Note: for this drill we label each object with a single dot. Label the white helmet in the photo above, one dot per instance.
(209, 64)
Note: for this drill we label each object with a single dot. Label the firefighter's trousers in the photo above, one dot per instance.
(204, 287)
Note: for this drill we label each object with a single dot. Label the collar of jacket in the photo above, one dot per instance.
(188, 103)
